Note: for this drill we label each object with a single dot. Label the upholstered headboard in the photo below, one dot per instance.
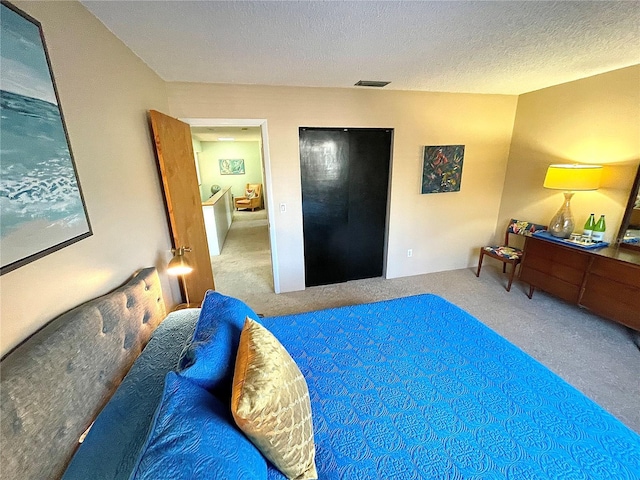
(54, 384)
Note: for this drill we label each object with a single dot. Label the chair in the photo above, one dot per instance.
(252, 198)
(507, 254)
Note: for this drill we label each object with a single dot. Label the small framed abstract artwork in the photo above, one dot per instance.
(231, 166)
(442, 168)
(41, 205)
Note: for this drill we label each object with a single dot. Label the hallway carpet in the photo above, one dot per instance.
(244, 265)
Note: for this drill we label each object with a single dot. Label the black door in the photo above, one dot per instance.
(345, 177)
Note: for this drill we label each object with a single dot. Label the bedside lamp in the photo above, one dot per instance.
(570, 178)
(180, 266)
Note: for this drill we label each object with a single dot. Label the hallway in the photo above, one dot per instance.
(243, 269)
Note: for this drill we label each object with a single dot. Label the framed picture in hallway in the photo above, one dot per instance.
(442, 168)
(231, 166)
(41, 205)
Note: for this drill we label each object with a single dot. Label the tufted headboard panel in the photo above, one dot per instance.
(54, 384)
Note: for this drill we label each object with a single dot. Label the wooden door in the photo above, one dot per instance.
(174, 151)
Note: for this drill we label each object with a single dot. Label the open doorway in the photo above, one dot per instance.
(229, 155)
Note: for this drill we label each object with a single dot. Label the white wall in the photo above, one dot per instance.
(105, 92)
(443, 230)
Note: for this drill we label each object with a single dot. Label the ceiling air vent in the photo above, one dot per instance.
(371, 83)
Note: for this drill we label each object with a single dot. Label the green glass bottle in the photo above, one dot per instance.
(599, 229)
(588, 226)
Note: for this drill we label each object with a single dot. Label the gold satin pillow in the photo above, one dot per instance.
(270, 403)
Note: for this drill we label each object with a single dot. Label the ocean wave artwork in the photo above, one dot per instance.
(41, 204)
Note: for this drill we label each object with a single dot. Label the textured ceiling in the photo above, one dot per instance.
(508, 47)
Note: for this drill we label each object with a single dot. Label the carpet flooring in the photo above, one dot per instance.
(598, 357)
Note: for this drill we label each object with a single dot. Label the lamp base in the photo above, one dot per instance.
(562, 224)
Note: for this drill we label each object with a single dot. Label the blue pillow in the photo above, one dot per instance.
(209, 360)
(193, 436)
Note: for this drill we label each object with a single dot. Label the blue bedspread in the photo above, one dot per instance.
(412, 388)
(417, 388)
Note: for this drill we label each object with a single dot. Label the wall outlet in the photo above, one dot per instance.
(410, 253)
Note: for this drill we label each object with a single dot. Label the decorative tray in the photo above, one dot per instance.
(570, 243)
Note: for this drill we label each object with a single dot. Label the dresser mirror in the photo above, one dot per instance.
(629, 234)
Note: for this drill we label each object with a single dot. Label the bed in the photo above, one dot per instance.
(408, 388)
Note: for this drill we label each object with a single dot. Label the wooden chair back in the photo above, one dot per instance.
(521, 227)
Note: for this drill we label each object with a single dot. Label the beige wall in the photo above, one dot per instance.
(105, 92)
(593, 120)
(444, 230)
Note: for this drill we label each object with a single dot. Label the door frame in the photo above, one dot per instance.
(266, 168)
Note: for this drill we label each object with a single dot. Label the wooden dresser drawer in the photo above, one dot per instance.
(607, 282)
(544, 281)
(612, 290)
(554, 268)
(567, 273)
(556, 254)
(621, 272)
(612, 299)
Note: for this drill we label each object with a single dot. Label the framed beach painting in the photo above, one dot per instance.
(233, 166)
(442, 168)
(41, 204)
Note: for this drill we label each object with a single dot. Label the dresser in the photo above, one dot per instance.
(605, 280)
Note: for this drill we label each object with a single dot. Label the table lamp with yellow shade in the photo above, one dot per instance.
(570, 179)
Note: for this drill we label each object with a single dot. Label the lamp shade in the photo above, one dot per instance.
(178, 264)
(572, 178)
